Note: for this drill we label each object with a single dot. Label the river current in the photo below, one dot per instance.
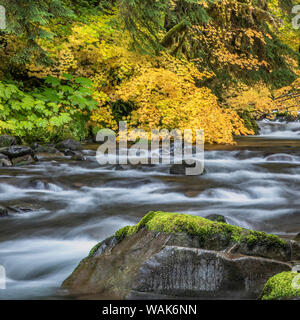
(74, 205)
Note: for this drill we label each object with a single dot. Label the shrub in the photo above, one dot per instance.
(48, 113)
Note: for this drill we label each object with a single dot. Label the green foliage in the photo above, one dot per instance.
(121, 109)
(147, 20)
(60, 107)
(235, 39)
(28, 21)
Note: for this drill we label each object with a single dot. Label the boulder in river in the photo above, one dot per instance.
(180, 255)
(20, 209)
(3, 212)
(44, 156)
(47, 153)
(280, 157)
(70, 144)
(75, 155)
(297, 237)
(39, 184)
(16, 151)
(23, 160)
(4, 161)
(46, 149)
(282, 286)
(7, 141)
(181, 169)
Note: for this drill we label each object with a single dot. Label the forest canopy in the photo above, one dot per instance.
(71, 67)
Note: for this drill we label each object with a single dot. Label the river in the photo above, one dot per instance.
(254, 184)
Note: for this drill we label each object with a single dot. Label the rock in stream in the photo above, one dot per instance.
(177, 255)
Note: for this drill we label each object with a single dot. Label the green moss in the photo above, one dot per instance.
(200, 227)
(125, 232)
(249, 121)
(95, 248)
(268, 240)
(280, 287)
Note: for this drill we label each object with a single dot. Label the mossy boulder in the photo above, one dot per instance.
(213, 235)
(297, 237)
(282, 286)
(180, 255)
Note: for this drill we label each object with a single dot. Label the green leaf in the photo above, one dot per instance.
(68, 76)
(52, 81)
(66, 89)
(84, 81)
(85, 91)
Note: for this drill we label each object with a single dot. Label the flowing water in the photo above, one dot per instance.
(74, 205)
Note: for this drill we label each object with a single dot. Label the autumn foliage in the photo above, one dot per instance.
(192, 64)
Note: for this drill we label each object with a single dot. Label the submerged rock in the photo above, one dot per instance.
(280, 157)
(18, 209)
(192, 193)
(282, 286)
(181, 255)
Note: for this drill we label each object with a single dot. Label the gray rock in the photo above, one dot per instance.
(17, 209)
(169, 264)
(297, 237)
(40, 184)
(75, 155)
(7, 141)
(190, 272)
(3, 156)
(5, 163)
(46, 149)
(259, 249)
(181, 169)
(280, 157)
(44, 156)
(295, 251)
(3, 212)
(69, 144)
(23, 160)
(16, 151)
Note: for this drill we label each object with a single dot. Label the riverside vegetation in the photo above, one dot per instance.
(69, 68)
